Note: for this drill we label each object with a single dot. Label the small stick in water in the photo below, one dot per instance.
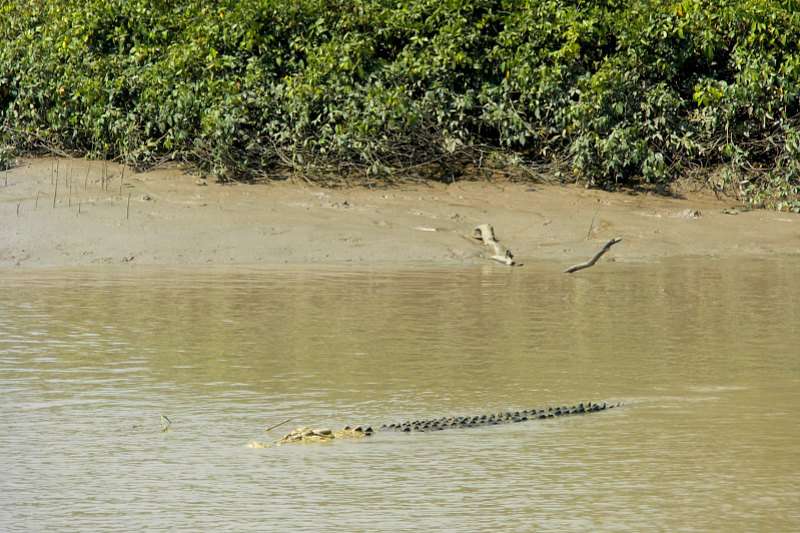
(18, 204)
(279, 424)
(128, 208)
(55, 193)
(121, 179)
(79, 207)
(36, 203)
(6, 178)
(69, 195)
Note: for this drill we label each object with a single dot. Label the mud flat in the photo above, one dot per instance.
(96, 215)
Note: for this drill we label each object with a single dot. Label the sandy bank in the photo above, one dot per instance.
(176, 219)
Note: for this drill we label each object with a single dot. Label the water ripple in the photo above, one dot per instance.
(702, 353)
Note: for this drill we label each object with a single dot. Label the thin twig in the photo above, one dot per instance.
(593, 260)
(591, 226)
(279, 424)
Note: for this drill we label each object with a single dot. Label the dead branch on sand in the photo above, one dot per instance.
(485, 233)
(593, 260)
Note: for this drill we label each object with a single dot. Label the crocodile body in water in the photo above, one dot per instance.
(304, 434)
(439, 424)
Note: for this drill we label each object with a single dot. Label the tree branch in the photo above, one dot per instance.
(593, 260)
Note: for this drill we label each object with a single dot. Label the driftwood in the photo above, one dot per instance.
(593, 260)
(485, 233)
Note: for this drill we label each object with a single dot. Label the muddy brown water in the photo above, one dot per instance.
(704, 354)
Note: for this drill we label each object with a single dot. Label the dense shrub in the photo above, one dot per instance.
(620, 92)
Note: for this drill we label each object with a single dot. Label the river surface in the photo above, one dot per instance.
(704, 354)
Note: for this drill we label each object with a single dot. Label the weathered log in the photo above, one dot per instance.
(485, 233)
(593, 260)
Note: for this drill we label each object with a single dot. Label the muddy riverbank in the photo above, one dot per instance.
(97, 215)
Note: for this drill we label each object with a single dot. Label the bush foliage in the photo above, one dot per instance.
(619, 92)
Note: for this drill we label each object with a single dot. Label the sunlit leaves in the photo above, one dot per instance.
(623, 92)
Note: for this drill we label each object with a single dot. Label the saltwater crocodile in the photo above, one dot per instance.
(439, 424)
(304, 434)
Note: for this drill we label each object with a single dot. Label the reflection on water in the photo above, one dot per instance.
(703, 353)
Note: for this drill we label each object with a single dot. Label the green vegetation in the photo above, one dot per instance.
(615, 92)
(6, 157)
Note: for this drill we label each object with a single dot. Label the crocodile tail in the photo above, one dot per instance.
(498, 418)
